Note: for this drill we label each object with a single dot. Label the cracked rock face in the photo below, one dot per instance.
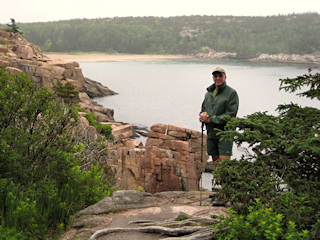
(172, 161)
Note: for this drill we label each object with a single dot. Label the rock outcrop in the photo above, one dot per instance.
(95, 89)
(170, 161)
(289, 58)
(136, 215)
(173, 159)
(209, 53)
(18, 55)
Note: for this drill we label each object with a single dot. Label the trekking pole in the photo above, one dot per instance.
(201, 169)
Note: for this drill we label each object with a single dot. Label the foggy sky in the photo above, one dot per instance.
(49, 10)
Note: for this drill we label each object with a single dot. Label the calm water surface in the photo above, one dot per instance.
(171, 92)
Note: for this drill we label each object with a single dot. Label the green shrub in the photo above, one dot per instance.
(11, 234)
(43, 181)
(243, 181)
(91, 118)
(68, 93)
(13, 27)
(260, 223)
(101, 128)
(106, 130)
(281, 166)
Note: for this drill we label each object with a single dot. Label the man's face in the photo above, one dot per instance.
(219, 78)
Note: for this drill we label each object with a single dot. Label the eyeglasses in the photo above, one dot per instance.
(217, 75)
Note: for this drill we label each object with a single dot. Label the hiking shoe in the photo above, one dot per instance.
(216, 188)
(219, 204)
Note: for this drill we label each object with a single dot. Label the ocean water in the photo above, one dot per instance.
(171, 92)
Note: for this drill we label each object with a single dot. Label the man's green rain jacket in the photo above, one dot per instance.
(226, 103)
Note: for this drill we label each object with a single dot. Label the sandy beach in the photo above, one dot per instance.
(100, 57)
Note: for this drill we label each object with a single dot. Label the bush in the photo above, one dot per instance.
(243, 181)
(259, 223)
(68, 93)
(101, 128)
(10, 234)
(13, 27)
(282, 167)
(43, 180)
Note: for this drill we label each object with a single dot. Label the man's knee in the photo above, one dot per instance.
(215, 158)
(220, 158)
(224, 157)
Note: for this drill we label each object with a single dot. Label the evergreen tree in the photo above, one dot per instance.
(282, 167)
(13, 27)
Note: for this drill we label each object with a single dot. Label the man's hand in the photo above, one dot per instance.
(204, 117)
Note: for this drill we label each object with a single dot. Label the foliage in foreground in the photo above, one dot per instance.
(260, 223)
(282, 166)
(42, 181)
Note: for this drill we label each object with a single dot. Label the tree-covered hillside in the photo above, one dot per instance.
(291, 34)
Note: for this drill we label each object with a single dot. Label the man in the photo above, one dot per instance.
(220, 101)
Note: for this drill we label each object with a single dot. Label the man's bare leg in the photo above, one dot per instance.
(221, 158)
(216, 159)
(219, 203)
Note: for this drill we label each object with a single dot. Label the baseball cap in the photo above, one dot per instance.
(219, 69)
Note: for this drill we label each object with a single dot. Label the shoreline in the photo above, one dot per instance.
(101, 57)
(104, 57)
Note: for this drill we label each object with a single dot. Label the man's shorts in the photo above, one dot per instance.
(217, 147)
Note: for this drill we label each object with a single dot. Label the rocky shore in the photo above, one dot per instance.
(274, 58)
